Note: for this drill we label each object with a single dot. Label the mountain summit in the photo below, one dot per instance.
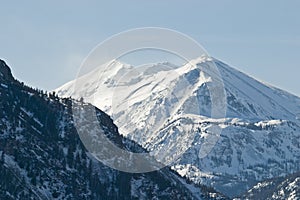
(168, 110)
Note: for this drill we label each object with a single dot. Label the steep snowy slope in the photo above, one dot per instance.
(168, 110)
(42, 156)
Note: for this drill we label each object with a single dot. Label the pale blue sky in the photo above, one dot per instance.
(45, 42)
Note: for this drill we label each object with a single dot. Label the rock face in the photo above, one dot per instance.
(42, 156)
(5, 71)
(168, 109)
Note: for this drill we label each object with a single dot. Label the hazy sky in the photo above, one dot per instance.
(45, 43)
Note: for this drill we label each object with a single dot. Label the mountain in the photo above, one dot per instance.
(278, 188)
(42, 156)
(169, 109)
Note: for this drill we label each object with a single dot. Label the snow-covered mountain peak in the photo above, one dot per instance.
(168, 110)
(201, 59)
(194, 63)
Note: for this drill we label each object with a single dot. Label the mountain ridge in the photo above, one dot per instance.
(259, 132)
